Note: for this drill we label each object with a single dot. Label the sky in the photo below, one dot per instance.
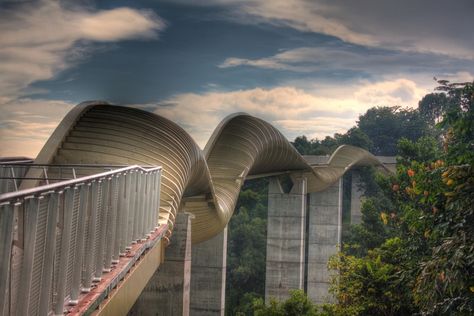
(309, 67)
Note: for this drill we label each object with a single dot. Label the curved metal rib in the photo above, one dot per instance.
(205, 183)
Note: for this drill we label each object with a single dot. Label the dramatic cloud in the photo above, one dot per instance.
(346, 57)
(433, 26)
(27, 124)
(39, 39)
(294, 111)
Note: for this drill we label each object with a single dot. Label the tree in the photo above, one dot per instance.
(246, 249)
(355, 137)
(432, 106)
(297, 305)
(370, 285)
(426, 218)
(384, 126)
(446, 282)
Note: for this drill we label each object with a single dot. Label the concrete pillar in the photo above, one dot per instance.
(285, 239)
(324, 236)
(356, 196)
(208, 274)
(167, 292)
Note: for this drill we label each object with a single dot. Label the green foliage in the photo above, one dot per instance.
(378, 131)
(369, 285)
(446, 281)
(246, 249)
(432, 107)
(384, 126)
(297, 305)
(414, 251)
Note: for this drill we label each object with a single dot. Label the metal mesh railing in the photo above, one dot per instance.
(58, 239)
(12, 174)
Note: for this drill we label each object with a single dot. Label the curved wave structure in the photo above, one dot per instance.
(205, 182)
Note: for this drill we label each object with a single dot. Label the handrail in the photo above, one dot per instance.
(8, 197)
(69, 165)
(63, 237)
(25, 162)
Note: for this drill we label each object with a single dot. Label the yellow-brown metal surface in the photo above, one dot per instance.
(209, 180)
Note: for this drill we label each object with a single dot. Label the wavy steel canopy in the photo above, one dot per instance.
(205, 183)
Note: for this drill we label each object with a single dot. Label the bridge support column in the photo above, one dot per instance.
(208, 274)
(285, 239)
(167, 292)
(324, 236)
(356, 198)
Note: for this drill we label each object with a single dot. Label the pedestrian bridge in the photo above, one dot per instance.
(88, 222)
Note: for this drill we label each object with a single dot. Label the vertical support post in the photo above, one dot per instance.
(132, 210)
(119, 219)
(285, 239)
(65, 239)
(14, 178)
(111, 224)
(325, 224)
(29, 229)
(77, 268)
(92, 223)
(167, 292)
(104, 210)
(50, 246)
(208, 274)
(156, 202)
(144, 208)
(6, 236)
(356, 198)
(149, 204)
(126, 203)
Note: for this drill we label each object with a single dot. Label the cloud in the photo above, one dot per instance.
(39, 39)
(414, 26)
(294, 111)
(26, 125)
(346, 57)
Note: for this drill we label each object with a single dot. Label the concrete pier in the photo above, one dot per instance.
(167, 292)
(356, 198)
(324, 237)
(208, 275)
(285, 239)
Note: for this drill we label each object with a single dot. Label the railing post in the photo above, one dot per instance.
(132, 208)
(111, 224)
(14, 178)
(126, 213)
(144, 210)
(29, 234)
(157, 196)
(76, 277)
(93, 206)
(137, 208)
(64, 256)
(45, 175)
(99, 259)
(50, 246)
(6, 237)
(120, 215)
(149, 203)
